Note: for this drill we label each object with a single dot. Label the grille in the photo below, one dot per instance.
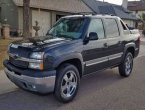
(18, 63)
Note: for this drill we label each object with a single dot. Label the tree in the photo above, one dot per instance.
(143, 17)
(26, 18)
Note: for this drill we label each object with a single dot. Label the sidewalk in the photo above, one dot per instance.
(5, 84)
(143, 40)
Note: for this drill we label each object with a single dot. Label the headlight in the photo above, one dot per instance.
(36, 66)
(37, 55)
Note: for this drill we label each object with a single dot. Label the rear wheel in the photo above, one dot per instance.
(125, 69)
(67, 83)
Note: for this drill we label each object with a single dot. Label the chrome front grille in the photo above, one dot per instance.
(18, 63)
(22, 62)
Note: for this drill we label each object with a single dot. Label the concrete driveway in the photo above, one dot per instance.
(5, 84)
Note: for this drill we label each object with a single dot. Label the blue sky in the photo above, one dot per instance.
(119, 2)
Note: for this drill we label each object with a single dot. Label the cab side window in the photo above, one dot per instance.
(111, 27)
(123, 26)
(96, 25)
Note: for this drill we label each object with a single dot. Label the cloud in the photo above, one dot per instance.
(118, 2)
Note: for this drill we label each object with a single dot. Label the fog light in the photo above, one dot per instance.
(36, 66)
(33, 86)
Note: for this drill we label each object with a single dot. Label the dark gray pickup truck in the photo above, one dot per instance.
(75, 46)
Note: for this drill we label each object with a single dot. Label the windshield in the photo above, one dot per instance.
(68, 28)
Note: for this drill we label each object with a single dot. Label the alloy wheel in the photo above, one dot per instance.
(68, 84)
(128, 65)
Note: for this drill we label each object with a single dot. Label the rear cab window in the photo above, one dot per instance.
(111, 28)
(125, 28)
(96, 25)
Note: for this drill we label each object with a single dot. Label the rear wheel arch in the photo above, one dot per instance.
(131, 50)
(130, 47)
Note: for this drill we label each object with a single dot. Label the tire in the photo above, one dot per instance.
(125, 69)
(67, 83)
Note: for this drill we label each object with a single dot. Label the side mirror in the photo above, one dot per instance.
(93, 36)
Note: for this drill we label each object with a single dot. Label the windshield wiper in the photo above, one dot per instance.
(48, 34)
(52, 35)
(65, 36)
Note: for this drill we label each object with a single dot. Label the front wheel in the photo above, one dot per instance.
(126, 67)
(67, 83)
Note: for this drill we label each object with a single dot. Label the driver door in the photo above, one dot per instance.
(95, 52)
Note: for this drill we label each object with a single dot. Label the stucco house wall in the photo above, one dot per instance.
(9, 13)
(45, 18)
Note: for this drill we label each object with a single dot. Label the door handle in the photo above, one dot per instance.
(120, 42)
(105, 45)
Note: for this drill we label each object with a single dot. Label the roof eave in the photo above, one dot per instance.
(53, 9)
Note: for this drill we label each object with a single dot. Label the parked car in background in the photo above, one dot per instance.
(143, 32)
(75, 46)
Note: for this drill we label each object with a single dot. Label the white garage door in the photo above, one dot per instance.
(43, 18)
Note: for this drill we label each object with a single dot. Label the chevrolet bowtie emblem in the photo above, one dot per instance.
(16, 56)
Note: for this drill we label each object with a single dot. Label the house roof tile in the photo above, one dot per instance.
(72, 6)
(108, 8)
(136, 5)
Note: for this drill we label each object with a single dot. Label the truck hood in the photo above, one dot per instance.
(39, 42)
(26, 46)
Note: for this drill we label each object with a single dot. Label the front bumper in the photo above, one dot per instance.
(38, 84)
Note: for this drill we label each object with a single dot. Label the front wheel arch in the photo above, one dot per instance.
(76, 62)
(62, 70)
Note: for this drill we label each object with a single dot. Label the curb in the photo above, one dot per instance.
(6, 85)
(8, 91)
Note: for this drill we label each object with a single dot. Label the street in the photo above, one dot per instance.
(105, 90)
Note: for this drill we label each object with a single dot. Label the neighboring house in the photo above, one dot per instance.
(46, 12)
(112, 9)
(137, 7)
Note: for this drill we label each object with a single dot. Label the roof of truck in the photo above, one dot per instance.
(92, 16)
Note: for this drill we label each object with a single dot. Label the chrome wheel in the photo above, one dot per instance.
(125, 68)
(68, 84)
(128, 64)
